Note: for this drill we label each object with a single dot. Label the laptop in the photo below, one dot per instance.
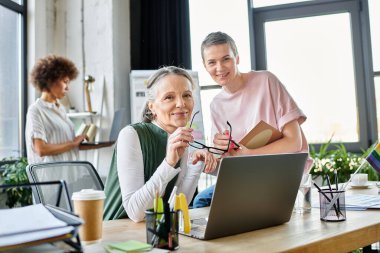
(251, 192)
(118, 122)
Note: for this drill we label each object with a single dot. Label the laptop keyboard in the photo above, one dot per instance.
(201, 221)
(198, 231)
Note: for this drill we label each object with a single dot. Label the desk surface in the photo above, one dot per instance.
(303, 233)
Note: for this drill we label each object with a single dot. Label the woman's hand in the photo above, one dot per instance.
(221, 140)
(177, 144)
(44, 149)
(79, 139)
(209, 159)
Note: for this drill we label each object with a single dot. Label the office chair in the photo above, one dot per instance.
(78, 175)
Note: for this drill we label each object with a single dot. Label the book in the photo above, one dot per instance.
(87, 129)
(260, 135)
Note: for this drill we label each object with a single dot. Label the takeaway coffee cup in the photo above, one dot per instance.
(88, 204)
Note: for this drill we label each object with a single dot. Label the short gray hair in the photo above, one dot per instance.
(218, 38)
(147, 115)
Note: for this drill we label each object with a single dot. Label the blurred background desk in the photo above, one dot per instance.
(303, 233)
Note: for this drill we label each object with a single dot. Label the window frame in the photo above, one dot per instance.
(22, 10)
(362, 54)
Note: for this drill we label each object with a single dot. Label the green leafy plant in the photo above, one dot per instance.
(13, 171)
(327, 161)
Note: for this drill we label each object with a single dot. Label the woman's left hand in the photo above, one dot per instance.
(209, 159)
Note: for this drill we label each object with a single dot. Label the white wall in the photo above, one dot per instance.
(95, 35)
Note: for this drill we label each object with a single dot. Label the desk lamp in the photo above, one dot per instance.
(88, 86)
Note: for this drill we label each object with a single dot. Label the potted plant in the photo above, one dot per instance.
(327, 161)
(13, 171)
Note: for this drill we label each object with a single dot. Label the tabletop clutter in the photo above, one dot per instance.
(165, 219)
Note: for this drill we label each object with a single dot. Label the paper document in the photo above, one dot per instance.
(362, 200)
(30, 223)
(357, 202)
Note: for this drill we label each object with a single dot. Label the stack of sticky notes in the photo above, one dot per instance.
(128, 246)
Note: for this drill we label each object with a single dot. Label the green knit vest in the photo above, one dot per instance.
(153, 142)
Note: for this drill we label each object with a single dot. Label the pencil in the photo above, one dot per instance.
(332, 195)
(337, 188)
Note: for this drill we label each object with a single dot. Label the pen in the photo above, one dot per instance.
(332, 195)
(320, 190)
(337, 187)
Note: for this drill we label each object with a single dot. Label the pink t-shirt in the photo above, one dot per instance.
(263, 97)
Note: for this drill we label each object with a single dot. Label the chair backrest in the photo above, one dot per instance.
(78, 175)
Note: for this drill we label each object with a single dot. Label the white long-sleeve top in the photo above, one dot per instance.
(138, 196)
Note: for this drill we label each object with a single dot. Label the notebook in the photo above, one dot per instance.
(251, 192)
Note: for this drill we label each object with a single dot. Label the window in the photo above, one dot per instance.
(12, 78)
(264, 3)
(374, 15)
(328, 72)
(212, 16)
(315, 48)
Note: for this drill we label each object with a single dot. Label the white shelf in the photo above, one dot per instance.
(82, 115)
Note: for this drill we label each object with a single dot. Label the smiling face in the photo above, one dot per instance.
(173, 103)
(59, 89)
(221, 63)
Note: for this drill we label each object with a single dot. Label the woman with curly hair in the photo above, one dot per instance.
(49, 133)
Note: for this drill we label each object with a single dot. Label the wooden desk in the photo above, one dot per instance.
(303, 233)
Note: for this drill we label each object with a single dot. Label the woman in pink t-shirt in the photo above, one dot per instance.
(245, 100)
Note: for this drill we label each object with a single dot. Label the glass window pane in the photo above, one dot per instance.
(206, 98)
(211, 16)
(226, 17)
(314, 61)
(18, 1)
(377, 94)
(9, 82)
(264, 3)
(374, 14)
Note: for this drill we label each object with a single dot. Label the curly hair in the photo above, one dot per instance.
(50, 69)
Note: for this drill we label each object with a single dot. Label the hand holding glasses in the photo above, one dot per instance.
(214, 150)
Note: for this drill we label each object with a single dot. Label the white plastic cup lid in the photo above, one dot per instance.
(88, 194)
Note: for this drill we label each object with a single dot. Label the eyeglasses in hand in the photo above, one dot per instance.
(214, 150)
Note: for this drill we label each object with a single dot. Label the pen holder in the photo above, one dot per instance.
(335, 211)
(162, 229)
